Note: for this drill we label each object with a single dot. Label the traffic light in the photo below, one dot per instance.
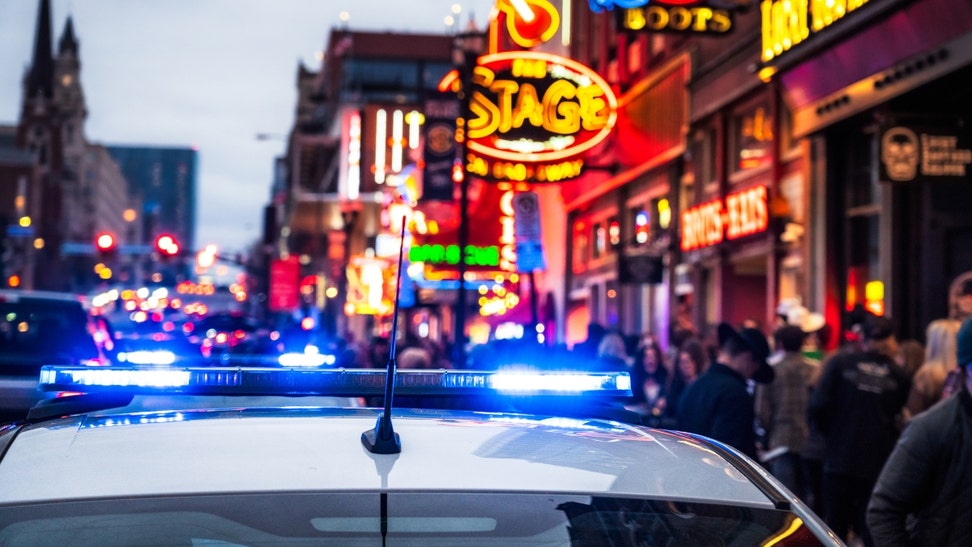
(167, 245)
(105, 243)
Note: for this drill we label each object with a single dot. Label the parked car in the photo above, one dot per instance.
(41, 328)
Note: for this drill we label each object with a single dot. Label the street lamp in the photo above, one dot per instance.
(467, 46)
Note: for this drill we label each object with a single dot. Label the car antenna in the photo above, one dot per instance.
(383, 439)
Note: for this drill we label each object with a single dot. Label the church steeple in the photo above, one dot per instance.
(40, 78)
(69, 43)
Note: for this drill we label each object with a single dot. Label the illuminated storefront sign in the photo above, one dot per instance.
(507, 232)
(674, 16)
(389, 142)
(786, 23)
(753, 140)
(438, 255)
(681, 16)
(924, 154)
(529, 22)
(533, 114)
(741, 214)
(370, 287)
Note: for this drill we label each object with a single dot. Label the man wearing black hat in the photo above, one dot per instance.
(855, 406)
(924, 493)
(718, 404)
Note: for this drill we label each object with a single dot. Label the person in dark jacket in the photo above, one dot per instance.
(718, 404)
(856, 406)
(924, 493)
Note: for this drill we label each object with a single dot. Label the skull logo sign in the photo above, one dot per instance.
(899, 153)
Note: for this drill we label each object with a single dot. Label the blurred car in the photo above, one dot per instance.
(79, 473)
(41, 328)
(149, 342)
(218, 333)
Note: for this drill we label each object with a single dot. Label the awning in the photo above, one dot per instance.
(894, 55)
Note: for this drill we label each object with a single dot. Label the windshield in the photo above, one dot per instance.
(414, 519)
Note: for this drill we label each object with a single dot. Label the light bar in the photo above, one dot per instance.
(307, 359)
(147, 357)
(333, 382)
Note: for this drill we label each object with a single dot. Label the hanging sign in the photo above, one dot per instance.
(529, 242)
(284, 280)
(439, 149)
(533, 115)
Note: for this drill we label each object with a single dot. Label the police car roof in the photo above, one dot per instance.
(318, 449)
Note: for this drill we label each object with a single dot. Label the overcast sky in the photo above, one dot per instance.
(205, 73)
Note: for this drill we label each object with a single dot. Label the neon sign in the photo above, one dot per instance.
(529, 22)
(530, 109)
(661, 18)
(449, 255)
(694, 16)
(786, 23)
(741, 214)
(507, 232)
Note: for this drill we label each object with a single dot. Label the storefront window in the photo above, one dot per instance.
(641, 226)
(600, 240)
(614, 232)
(581, 247)
(752, 138)
(611, 303)
(862, 188)
(862, 274)
(703, 157)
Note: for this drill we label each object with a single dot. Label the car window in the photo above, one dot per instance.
(411, 519)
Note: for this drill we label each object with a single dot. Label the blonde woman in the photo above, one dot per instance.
(926, 388)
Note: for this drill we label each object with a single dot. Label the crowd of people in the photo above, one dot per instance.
(875, 437)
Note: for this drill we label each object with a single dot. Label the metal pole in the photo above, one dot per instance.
(460, 336)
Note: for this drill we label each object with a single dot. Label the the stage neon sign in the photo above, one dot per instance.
(741, 214)
(530, 108)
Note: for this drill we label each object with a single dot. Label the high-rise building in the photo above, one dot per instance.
(166, 180)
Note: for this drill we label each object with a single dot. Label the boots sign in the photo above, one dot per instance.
(676, 16)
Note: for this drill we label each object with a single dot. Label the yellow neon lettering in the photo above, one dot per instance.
(634, 19)
(485, 116)
(504, 89)
(529, 68)
(680, 18)
(561, 116)
(702, 17)
(656, 17)
(528, 107)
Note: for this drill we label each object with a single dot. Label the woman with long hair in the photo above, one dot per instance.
(940, 351)
(649, 378)
(691, 363)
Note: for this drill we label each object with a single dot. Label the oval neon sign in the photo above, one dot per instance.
(534, 107)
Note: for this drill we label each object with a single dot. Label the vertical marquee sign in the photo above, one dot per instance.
(533, 115)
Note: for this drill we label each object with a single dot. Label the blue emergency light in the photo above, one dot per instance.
(147, 357)
(330, 382)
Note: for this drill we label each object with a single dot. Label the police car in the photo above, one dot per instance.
(96, 468)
